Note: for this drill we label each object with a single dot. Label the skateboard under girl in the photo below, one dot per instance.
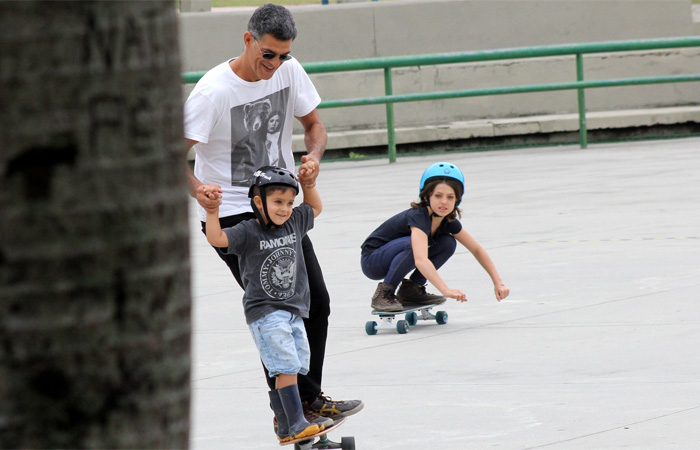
(413, 315)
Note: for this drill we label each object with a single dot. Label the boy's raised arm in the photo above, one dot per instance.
(215, 234)
(308, 171)
(312, 198)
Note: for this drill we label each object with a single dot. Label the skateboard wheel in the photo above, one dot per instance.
(347, 443)
(412, 318)
(402, 327)
(306, 445)
(371, 327)
(441, 317)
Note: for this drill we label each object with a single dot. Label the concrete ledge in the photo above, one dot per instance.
(509, 127)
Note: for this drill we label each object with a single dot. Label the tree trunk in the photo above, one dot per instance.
(94, 257)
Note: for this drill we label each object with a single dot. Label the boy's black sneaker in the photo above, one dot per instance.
(327, 407)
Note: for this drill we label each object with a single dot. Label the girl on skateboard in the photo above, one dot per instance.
(420, 240)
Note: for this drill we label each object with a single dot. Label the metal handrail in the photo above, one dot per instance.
(577, 50)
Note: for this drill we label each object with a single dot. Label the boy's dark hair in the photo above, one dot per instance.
(274, 20)
(428, 191)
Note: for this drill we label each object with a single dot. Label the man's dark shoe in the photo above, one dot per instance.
(312, 416)
(327, 407)
(412, 294)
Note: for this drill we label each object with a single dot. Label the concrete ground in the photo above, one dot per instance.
(595, 348)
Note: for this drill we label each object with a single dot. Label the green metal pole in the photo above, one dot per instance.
(582, 127)
(389, 90)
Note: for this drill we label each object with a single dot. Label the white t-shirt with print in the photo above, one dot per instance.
(228, 117)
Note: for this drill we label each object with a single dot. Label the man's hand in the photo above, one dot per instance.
(209, 196)
(308, 171)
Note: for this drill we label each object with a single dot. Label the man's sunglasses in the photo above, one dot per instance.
(271, 55)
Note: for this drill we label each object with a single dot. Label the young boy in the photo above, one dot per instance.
(276, 296)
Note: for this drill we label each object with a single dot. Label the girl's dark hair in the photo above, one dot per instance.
(275, 20)
(428, 191)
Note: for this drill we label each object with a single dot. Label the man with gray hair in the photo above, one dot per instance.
(226, 119)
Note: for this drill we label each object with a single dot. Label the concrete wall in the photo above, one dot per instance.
(404, 27)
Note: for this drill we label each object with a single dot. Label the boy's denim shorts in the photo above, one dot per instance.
(281, 340)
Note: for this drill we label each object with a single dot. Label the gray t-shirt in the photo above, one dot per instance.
(272, 264)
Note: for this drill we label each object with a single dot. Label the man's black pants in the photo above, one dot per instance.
(317, 323)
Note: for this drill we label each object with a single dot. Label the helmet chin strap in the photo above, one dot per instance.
(265, 221)
(427, 204)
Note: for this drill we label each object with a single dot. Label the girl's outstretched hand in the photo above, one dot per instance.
(502, 291)
(455, 294)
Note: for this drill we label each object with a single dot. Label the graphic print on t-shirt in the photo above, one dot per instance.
(256, 136)
(277, 275)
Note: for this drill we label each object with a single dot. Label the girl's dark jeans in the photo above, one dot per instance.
(394, 260)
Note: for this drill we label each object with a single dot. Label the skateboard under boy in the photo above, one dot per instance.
(309, 442)
(413, 315)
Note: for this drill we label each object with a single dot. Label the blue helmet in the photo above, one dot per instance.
(442, 170)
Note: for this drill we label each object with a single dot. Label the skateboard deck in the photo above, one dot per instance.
(413, 315)
(310, 442)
